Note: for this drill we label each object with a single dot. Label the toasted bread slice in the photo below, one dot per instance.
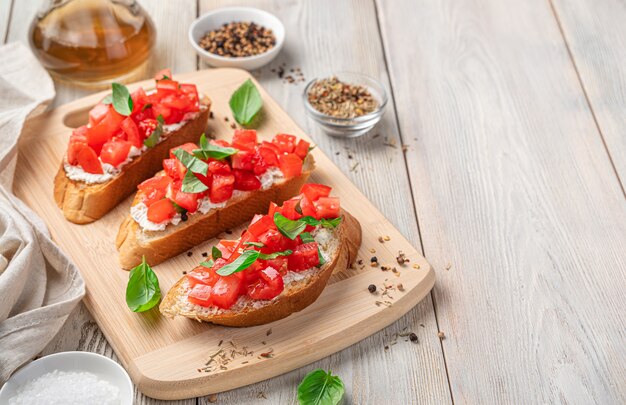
(83, 203)
(300, 291)
(133, 242)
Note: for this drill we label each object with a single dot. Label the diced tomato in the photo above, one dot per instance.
(206, 180)
(200, 294)
(273, 209)
(188, 201)
(327, 207)
(132, 132)
(97, 113)
(285, 143)
(166, 86)
(261, 225)
(303, 257)
(144, 114)
(115, 152)
(271, 146)
(268, 286)
(226, 291)
(245, 139)
(274, 241)
(152, 195)
(191, 92)
(222, 187)
(88, 160)
(279, 263)
(202, 275)
(147, 126)
(220, 142)
(187, 147)
(307, 207)
(302, 149)
(227, 247)
(315, 191)
(163, 74)
(263, 159)
(179, 102)
(174, 168)
(290, 165)
(219, 263)
(243, 160)
(140, 99)
(289, 209)
(161, 210)
(78, 140)
(163, 111)
(246, 180)
(219, 167)
(104, 130)
(160, 182)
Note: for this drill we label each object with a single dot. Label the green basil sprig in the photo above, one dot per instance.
(143, 291)
(208, 263)
(247, 258)
(292, 229)
(208, 150)
(320, 388)
(121, 99)
(245, 103)
(191, 183)
(216, 253)
(255, 244)
(270, 256)
(155, 136)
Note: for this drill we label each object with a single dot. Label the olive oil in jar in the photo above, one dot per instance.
(92, 43)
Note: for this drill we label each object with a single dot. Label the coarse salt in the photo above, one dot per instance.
(66, 388)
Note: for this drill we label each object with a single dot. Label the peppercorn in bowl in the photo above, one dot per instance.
(241, 37)
(345, 104)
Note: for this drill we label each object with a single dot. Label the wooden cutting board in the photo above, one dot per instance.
(166, 358)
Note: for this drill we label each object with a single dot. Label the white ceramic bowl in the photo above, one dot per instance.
(214, 19)
(101, 366)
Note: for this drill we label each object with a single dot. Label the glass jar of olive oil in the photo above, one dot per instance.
(91, 43)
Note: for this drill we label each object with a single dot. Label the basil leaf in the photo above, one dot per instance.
(155, 136)
(122, 101)
(216, 253)
(192, 184)
(208, 150)
(209, 263)
(309, 220)
(331, 223)
(255, 244)
(245, 103)
(108, 99)
(143, 291)
(307, 238)
(274, 255)
(241, 263)
(298, 208)
(191, 162)
(320, 388)
(287, 227)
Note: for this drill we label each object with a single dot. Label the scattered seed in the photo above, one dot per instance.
(333, 97)
(372, 288)
(413, 337)
(401, 258)
(211, 115)
(416, 266)
(381, 239)
(184, 272)
(213, 398)
(448, 266)
(189, 254)
(386, 237)
(400, 287)
(441, 335)
(269, 332)
(372, 250)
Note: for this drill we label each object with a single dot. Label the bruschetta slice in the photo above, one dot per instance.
(125, 141)
(279, 266)
(208, 188)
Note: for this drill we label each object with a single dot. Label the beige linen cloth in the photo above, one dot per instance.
(39, 285)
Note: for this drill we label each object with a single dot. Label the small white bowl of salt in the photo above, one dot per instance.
(69, 378)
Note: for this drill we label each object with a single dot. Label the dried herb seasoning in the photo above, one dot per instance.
(338, 99)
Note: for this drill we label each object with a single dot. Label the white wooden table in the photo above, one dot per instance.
(511, 181)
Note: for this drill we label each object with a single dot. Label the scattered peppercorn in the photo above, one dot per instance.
(183, 216)
(372, 288)
(205, 254)
(374, 259)
(211, 115)
(413, 337)
(238, 39)
(333, 97)
(189, 254)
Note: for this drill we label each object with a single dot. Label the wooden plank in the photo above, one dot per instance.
(520, 211)
(320, 36)
(596, 37)
(163, 356)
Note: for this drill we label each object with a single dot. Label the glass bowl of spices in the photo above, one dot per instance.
(345, 104)
(242, 37)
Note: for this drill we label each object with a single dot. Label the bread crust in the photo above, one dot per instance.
(84, 203)
(133, 243)
(297, 296)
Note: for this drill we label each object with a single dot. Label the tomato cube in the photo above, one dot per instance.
(97, 113)
(115, 152)
(202, 275)
(188, 201)
(302, 149)
(243, 160)
(222, 187)
(290, 165)
(274, 241)
(279, 263)
(161, 211)
(289, 209)
(104, 130)
(160, 182)
(174, 168)
(261, 225)
(163, 111)
(88, 160)
(285, 143)
(269, 285)
(246, 180)
(132, 132)
(226, 291)
(200, 294)
(147, 126)
(245, 139)
(227, 247)
(307, 207)
(327, 207)
(219, 167)
(187, 147)
(304, 257)
(163, 74)
(315, 191)
(273, 209)
(166, 86)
